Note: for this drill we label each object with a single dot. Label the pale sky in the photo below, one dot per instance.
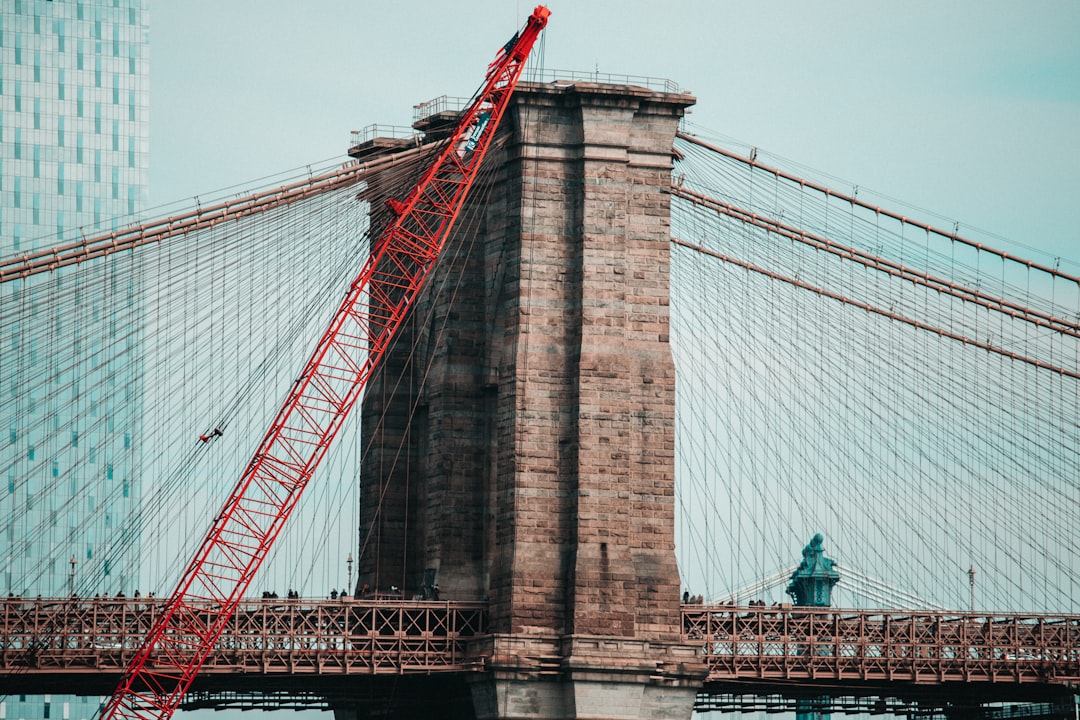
(967, 109)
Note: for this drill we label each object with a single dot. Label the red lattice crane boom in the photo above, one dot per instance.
(359, 334)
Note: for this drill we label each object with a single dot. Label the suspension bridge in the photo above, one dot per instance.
(648, 367)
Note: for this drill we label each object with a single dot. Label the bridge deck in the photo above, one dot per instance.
(828, 646)
(86, 643)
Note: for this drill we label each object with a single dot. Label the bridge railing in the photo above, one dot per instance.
(448, 103)
(584, 76)
(793, 644)
(295, 636)
(370, 132)
(79, 635)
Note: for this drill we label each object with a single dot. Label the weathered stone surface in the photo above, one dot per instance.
(521, 432)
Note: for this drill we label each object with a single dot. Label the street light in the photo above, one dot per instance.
(71, 577)
(349, 563)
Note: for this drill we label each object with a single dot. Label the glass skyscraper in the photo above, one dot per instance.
(74, 142)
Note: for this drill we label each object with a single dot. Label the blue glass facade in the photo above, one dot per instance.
(74, 118)
(74, 142)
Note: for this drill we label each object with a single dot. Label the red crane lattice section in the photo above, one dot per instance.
(241, 535)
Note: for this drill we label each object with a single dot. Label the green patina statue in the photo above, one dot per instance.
(812, 582)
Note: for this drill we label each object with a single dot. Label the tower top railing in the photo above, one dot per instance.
(370, 132)
(450, 103)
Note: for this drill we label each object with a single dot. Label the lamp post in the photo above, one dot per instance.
(71, 577)
(349, 563)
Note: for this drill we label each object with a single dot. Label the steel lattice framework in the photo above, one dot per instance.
(73, 637)
(826, 645)
(771, 648)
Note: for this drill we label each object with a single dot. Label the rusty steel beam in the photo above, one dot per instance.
(163, 229)
(853, 201)
(874, 262)
(85, 642)
(890, 314)
(73, 636)
(829, 647)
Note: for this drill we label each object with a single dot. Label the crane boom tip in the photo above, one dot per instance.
(541, 14)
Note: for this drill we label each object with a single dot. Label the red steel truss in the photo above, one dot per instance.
(749, 650)
(825, 646)
(83, 640)
(185, 633)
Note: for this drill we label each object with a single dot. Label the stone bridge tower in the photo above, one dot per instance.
(522, 431)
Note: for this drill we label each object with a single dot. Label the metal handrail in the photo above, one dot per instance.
(449, 103)
(370, 132)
